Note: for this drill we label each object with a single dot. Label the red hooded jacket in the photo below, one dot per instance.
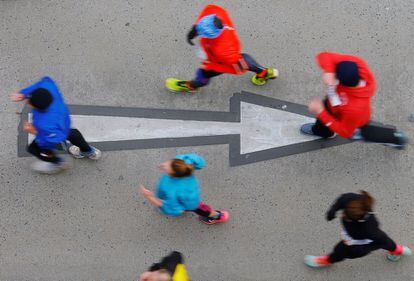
(224, 52)
(355, 110)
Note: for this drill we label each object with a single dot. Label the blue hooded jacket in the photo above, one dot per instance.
(180, 194)
(52, 124)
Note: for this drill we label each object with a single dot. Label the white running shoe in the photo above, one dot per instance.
(50, 168)
(75, 151)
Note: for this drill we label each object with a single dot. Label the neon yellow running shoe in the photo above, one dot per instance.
(179, 86)
(271, 73)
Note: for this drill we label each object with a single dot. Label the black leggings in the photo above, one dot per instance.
(342, 251)
(49, 155)
(321, 130)
(369, 132)
(203, 210)
(203, 76)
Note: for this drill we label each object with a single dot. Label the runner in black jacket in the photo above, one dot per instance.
(361, 233)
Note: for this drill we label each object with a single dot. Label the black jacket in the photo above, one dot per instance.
(366, 228)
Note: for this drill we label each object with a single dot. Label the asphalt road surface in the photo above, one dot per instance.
(90, 223)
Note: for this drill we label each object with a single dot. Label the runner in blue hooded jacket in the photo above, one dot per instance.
(51, 126)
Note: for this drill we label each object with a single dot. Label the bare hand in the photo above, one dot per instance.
(145, 192)
(16, 97)
(329, 79)
(145, 276)
(316, 106)
(29, 128)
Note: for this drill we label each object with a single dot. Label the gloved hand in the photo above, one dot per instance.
(191, 35)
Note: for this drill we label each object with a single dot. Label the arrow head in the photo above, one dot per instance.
(270, 128)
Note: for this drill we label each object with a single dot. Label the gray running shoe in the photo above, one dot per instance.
(50, 168)
(307, 130)
(75, 151)
(402, 141)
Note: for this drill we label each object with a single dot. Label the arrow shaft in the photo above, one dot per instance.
(110, 128)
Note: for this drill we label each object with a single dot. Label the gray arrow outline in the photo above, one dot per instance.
(235, 158)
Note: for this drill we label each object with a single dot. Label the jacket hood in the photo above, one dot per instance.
(192, 159)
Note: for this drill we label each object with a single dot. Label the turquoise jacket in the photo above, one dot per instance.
(180, 194)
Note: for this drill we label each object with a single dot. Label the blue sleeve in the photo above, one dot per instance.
(31, 88)
(161, 194)
(196, 160)
(45, 80)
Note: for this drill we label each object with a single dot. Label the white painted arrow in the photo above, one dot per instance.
(256, 128)
(260, 128)
(264, 128)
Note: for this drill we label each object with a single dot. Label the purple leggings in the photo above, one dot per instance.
(202, 77)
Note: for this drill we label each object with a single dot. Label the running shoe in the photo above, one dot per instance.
(50, 168)
(402, 141)
(307, 130)
(179, 86)
(223, 217)
(405, 252)
(94, 154)
(271, 73)
(317, 261)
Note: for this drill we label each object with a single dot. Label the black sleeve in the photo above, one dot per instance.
(380, 238)
(340, 204)
(191, 35)
(168, 263)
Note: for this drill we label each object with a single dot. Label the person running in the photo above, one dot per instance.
(170, 268)
(361, 233)
(346, 111)
(220, 51)
(178, 190)
(51, 127)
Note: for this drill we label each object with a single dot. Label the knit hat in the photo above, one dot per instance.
(40, 99)
(209, 27)
(347, 73)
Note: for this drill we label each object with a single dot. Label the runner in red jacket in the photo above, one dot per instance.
(346, 111)
(220, 49)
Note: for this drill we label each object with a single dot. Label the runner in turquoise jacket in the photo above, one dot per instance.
(181, 194)
(178, 190)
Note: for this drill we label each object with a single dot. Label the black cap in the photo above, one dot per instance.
(40, 99)
(347, 73)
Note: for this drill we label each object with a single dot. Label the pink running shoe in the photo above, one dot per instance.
(398, 253)
(317, 261)
(224, 216)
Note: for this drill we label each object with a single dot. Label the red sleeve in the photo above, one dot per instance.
(344, 127)
(328, 61)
